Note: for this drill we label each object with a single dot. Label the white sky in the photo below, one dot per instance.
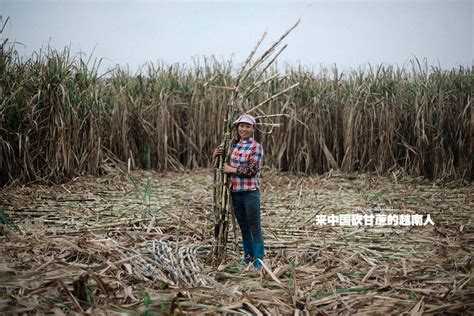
(347, 33)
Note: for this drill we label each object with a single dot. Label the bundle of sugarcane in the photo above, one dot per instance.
(244, 86)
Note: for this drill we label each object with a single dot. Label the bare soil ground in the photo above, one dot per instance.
(140, 244)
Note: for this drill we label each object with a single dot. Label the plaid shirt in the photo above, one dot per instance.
(247, 158)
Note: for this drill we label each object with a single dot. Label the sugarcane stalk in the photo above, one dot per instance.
(272, 98)
(221, 193)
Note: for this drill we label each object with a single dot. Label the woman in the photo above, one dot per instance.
(244, 170)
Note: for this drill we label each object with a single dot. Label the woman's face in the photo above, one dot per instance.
(245, 130)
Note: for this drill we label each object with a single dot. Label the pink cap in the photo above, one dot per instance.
(245, 118)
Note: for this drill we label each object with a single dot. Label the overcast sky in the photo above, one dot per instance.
(345, 33)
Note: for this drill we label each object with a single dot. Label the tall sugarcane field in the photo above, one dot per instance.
(112, 203)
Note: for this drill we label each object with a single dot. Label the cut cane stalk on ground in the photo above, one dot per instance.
(95, 226)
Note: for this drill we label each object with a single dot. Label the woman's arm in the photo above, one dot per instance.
(253, 164)
(229, 169)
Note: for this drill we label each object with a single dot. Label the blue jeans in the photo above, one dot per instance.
(247, 210)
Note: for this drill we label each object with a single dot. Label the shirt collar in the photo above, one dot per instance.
(246, 141)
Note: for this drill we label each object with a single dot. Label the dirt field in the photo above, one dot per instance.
(140, 244)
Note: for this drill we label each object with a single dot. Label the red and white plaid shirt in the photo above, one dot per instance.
(247, 158)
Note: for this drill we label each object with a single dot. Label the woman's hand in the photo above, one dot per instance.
(228, 169)
(218, 151)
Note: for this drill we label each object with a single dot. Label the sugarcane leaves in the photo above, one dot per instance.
(146, 194)
(6, 220)
(4, 23)
(5, 41)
